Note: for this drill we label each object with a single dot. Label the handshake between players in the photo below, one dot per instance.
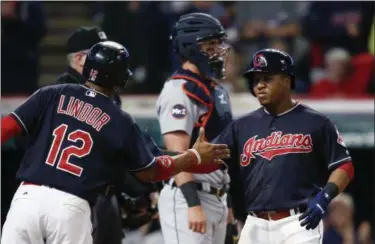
(204, 157)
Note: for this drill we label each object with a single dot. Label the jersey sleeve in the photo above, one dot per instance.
(138, 155)
(29, 113)
(176, 112)
(333, 148)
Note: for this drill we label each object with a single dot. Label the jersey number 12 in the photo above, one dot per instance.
(63, 161)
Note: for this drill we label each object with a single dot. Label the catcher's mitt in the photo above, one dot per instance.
(135, 212)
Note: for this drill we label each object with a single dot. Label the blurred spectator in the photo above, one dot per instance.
(273, 24)
(124, 22)
(364, 233)
(227, 14)
(371, 42)
(345, 76)
(338, 24)
(23, 25)
(301, 69)
(339, 227)
(157, 47)
(143, 29)
(263, 22)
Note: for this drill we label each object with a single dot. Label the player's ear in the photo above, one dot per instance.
(286, 81)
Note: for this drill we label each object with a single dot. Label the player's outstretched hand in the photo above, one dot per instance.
(316, 209)
(210, 152)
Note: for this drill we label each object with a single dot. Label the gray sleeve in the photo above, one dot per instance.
(176, 112)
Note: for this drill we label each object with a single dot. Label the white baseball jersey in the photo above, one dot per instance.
(177, 112)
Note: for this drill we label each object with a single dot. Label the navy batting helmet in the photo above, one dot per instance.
(270, 61)
(187, 35)
(107, 65)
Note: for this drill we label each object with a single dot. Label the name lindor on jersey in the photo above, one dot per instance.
(84, 112)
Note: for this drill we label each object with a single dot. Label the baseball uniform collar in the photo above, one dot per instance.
(289, 110)
(79, 78)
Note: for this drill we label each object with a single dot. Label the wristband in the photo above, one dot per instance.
(331, 189)
(196, 154)
(189, 190)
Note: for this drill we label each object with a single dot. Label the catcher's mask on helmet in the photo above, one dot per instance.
(201, 39)
(107, 65)
(271, 61)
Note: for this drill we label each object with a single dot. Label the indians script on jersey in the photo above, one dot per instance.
(274, 145)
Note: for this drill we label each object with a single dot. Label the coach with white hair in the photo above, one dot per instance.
(77, 48)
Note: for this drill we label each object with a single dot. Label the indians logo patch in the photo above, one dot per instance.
(260, 61)
(274, 145)
(165, 161)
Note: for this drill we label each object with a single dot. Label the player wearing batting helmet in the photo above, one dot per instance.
(193, 208)
(82, 142)
(292, 158)
(106, 219)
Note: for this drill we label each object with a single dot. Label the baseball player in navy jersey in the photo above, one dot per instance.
(292, 158)
(82, 142)
(193, 208)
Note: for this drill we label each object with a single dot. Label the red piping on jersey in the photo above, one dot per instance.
(348, 167)
(9, 128)
(205, 89)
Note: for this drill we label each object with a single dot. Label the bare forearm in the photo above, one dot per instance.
(178, 142)
(167, 166)
(183, 177)
(183, 162)
(341, 178)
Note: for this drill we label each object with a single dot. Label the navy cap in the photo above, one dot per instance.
(84, 38)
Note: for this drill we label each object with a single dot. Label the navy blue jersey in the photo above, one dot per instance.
(80, 140)
(283, 159)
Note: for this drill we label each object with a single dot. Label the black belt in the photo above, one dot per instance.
(213, 191)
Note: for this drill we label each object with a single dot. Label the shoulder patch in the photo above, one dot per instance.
(179, 111)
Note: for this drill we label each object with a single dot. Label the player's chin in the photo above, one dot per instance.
(264, 100)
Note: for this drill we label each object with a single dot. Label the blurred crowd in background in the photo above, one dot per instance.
(332, 42)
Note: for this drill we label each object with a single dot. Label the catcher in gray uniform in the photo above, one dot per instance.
(192, 207)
